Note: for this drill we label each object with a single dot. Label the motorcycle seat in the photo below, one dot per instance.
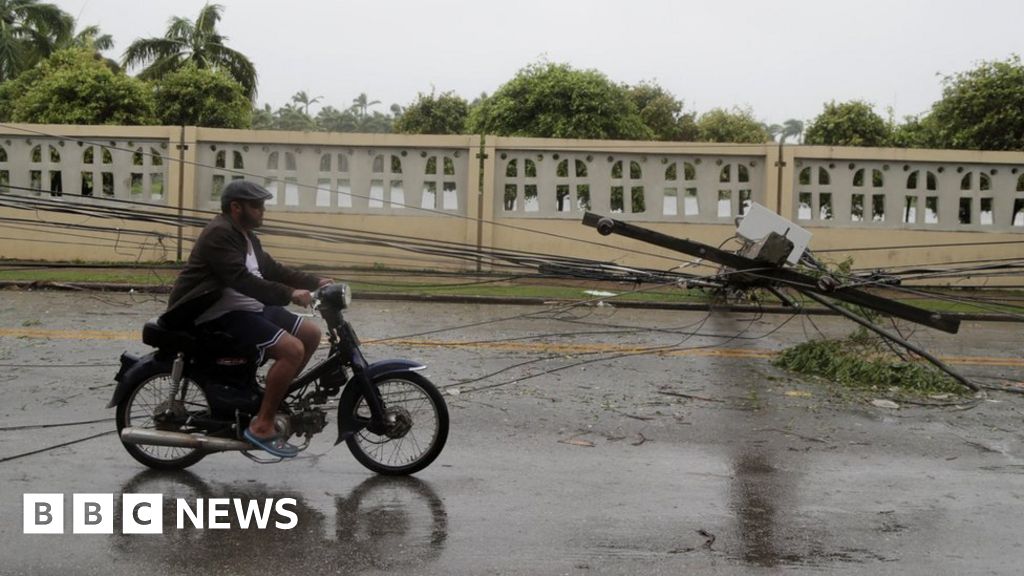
(156, 335)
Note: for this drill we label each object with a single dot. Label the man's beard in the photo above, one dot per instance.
(250, 221)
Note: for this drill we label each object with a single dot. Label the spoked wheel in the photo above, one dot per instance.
(417, 427)
(149, 406)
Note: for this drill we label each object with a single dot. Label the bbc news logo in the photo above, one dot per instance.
(144, 513)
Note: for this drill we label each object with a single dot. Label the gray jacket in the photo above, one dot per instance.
(217, 261)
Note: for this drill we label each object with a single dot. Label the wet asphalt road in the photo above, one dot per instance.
(705, 460)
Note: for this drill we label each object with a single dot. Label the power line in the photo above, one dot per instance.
(55, 446)
(426, 247)
(57, 425)
(640, 352)
(919, 246)
(354, 195)
(242, 173)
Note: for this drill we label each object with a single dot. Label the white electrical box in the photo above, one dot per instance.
(759, 221)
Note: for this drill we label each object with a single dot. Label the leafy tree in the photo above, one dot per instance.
(852, 123)
(916, 132)
(193, 96)
(433, 114)
(662, 113)
(474, 110)
(478, 100)
(737, 125)
(557, 101)
(197, 42)
(983, 108)
(330, 119)
(262, 118)
(74, 86)
(377, 123)
(30, 30)
(291, 117)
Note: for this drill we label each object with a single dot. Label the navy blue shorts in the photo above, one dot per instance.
(258, 329)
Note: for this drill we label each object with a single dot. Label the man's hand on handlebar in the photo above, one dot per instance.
(302, 298)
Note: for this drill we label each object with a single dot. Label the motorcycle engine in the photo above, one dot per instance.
(308, 422)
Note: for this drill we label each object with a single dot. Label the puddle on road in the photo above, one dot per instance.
(392, 524)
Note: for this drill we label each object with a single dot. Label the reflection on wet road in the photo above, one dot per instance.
(390, 524)
(707, 461)
(755, 493)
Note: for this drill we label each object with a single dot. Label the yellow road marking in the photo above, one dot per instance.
(559, 348)
(570, 349)
(49, 334)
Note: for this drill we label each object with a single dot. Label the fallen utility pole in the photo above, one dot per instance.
(768, 273)
(757, 273)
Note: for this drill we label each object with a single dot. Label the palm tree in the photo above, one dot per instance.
(191, 42)
(302, 98)
(29, 31)
(793, 127)
(773, 130)
(92, 39)
(89, 37)
(361, 105)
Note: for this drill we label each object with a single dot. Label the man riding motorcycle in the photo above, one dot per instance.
(229, 284)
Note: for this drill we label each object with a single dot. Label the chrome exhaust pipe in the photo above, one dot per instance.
(181, 440)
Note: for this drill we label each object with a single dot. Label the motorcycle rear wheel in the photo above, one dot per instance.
(148, 400)
(419, 434)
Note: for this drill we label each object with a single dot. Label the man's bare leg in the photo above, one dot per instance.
(309, 334)
(288, 355)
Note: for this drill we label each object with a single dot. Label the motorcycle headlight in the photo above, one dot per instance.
(337, 296)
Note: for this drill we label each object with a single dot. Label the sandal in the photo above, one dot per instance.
(274, 445)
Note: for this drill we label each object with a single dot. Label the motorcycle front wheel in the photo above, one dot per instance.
(417, 432)
(150, 406)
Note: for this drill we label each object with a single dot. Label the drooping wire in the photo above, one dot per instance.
(168, 159)
(326, 234)
(56, 446)
(677, 347)
(245, 174)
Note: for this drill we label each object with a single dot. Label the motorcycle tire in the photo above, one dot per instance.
(422, 414)
(140, 406)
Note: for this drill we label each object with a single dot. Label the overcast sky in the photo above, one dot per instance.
(784, 59)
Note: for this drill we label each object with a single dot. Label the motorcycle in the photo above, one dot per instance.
(196, 392)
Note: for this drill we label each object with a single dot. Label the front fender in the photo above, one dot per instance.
(347, 425)
(133, 369)
(392, 367)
